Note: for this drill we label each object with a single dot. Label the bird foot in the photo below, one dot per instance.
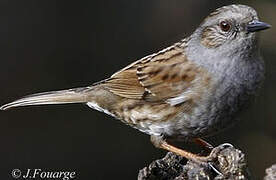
(212, 157)
(209, 160)
(216, 150)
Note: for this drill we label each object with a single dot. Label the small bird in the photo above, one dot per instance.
(190, 90)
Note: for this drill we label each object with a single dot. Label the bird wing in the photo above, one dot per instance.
(165, 76)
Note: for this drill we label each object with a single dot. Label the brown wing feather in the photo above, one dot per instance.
(161, 76)
(126, 84)
(165, 82)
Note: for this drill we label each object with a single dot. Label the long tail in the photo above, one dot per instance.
(76, 95)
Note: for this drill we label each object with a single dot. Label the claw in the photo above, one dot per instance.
(214, 154)
(214, 169)
(216, 150)
(225, 145)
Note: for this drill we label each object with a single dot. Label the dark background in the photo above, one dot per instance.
(52, 45)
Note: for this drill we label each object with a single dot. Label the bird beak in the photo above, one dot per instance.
(255, 26)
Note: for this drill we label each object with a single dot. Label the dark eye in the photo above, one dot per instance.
(225, 26)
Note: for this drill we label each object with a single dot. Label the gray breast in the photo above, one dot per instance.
(235, 88)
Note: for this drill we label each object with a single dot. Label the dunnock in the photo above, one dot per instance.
(187, 91)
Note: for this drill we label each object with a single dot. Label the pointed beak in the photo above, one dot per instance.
(255, 26)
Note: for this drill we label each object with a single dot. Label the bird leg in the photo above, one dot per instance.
(203, 143)
(159, 142)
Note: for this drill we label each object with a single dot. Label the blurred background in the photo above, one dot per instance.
(53, 45)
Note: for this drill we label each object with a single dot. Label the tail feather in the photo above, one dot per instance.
(53, 97)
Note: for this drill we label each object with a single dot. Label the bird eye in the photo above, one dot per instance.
(225, 26)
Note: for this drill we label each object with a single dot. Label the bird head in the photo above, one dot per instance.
(230, 27)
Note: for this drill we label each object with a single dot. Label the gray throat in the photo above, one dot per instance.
(237, 76)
